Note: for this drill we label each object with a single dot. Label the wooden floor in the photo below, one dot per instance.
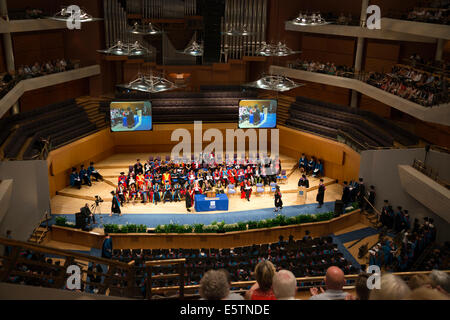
(70, 200)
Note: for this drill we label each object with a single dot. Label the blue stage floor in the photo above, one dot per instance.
(153, 220)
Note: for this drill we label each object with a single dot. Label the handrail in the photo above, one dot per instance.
(245, 284)
(60, 252)
(426, 170)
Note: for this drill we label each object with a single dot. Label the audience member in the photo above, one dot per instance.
(262, 290)
(214, 286)
(391, 288)
(284, 285)
(334, 281)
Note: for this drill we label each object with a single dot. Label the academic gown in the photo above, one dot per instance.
(115, 207)
(321, 194)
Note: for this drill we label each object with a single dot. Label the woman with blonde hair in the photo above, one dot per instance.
(262, 289)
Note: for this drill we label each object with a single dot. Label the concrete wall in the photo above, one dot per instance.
(30, 196)
(380, 168)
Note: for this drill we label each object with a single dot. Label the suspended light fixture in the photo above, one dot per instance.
(148, 29)
(279, 50)
(68, 13)
(241, 32)
(127, 49)
(149, 84)
(309, 20)
(275, 83)
(194, 49)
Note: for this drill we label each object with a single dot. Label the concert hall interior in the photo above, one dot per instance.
(224, 150)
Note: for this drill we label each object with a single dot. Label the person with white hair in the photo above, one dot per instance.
(284, 285)
(392, 287)
(441, 279)
(214, 286)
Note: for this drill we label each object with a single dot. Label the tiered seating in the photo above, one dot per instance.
(176, 106)
(61, 122)
(329, 119)
(303, 257)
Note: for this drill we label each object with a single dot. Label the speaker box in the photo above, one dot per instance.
(338, 208)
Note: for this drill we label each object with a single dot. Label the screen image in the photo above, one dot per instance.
(131, 116)
(258, 114)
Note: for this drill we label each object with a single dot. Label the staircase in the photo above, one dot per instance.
(40, 231)
(284, 104)
(91, 106)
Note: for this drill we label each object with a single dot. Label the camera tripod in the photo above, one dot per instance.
(94, 207)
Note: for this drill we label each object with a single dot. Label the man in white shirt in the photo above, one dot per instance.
(335, 281)
(284, 285)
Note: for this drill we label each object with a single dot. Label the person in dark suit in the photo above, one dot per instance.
(130, 118)
(87, 214)
(346, 194)
(107, 247)
(321, 194)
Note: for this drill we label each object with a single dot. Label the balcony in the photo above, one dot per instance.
(360, 32)
(45, 81)
(437, 114)
(427, 191)
(28, 25)
(437, 31)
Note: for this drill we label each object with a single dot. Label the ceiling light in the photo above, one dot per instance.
(66, 14)
(194, 49)
(148, 29)
(275, 83)
(127, 49)
(309, 20)
(149, 84)
(240, 32)
(279, 50)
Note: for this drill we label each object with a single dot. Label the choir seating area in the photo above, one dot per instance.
(332, 120)
(212, 104)
(61, 123)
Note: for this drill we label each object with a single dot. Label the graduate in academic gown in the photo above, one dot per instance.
(346, 194)
(75, 180)
(84, 176)
(189, 199)
(115, 207)
(278, 201)
(303, 162)
(94, 173)
(321, 194)
(303, 182)
(107, 247)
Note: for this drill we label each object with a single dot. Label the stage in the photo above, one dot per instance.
(70, 200)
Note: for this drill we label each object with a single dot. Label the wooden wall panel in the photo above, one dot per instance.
(324, 49)
(340, 161)
(375, 106)
(322, 92)
(198, 241)
(381, 55)
(39, 98)
(92, 148)
(31, 47)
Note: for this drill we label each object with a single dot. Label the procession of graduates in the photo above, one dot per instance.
(168, 181)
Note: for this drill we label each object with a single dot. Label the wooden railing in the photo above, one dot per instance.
(54, 275)
(120, 273)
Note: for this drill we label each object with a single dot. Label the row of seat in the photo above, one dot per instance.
(61, 122)
(398, 134)
(195, 102)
